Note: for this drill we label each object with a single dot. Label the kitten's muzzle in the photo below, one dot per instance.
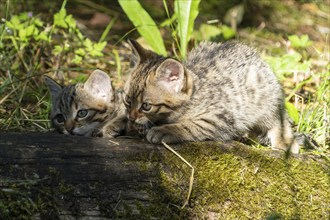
(134, 115)
(69, 126)
(131, 119)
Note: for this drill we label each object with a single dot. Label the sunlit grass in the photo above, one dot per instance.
(315, 113)
(24, 106)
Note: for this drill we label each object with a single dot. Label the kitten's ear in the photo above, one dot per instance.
(139, 54)
(170, 75)
(54, 88)
(99, 86)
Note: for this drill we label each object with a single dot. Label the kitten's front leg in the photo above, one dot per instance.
(171, 133)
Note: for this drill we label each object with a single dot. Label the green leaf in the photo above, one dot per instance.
(14, 23)
(168, 22)
(95, 53)
(70, 21)
(301, 42)
(22, 34)
(88, 44)
(292, 111)
(186, 12)
(77, 59)
(144, 24)
(59, 19)
(30, 30)
(209, 31)
(288, 64)
(97, 49)
(227, 32)
(57, 50)
(100, 46)
(35, 32)
(38, 22)
(42, 36)
(80, 52)
(23, 16)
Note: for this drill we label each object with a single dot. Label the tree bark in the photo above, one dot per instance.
(54, 176)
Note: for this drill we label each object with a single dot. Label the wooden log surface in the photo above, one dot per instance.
(54, 176)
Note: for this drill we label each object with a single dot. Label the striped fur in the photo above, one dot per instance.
(221, 92)
(89, 109)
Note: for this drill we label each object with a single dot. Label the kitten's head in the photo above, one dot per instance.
(78, 109)
(156, 87)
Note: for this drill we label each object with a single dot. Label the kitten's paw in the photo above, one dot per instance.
(158, 134)
(154, 135)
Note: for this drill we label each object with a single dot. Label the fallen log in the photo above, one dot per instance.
(53, 176)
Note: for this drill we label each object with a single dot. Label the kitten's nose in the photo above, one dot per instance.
(69, 126)
(132, 116)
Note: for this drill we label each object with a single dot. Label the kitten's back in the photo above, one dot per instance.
(232, 76)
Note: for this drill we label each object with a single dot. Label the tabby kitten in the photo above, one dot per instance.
(221, 92)
(89, 109)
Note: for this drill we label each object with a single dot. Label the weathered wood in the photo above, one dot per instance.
(100, 175)
(53, 176)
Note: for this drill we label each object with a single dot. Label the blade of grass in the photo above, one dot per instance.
(6, 17)
(187, 12)
(172, 19)
(118, 63)
(107, 29)
(144, 24)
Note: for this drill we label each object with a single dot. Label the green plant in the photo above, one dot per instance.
(29, 48)
(315, 113)
(310, 113)
(300, 42)
(181, 22)
(186, 13)
(212, 32)
(144, 24)
(75, 46)
(288, 64)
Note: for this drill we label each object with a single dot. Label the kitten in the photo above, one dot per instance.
(89, 109)
(221, 92)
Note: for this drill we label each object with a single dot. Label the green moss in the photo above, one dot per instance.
(249, 184)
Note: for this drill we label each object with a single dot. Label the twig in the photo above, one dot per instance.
(191, 182)
(113, 142)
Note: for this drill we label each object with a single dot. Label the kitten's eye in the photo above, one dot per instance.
(59, 118)
(146, 106)
(82, 113)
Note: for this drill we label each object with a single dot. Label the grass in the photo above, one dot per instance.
(301, 64)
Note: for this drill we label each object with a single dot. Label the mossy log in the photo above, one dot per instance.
(53, 176)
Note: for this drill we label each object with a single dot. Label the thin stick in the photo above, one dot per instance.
(191, 182)
(113, 142)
